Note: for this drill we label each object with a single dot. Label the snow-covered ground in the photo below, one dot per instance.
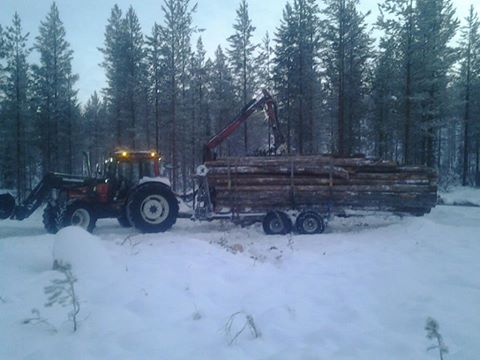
(361, 291)
(461, 196)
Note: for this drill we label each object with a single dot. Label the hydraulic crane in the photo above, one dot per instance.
(266, 104)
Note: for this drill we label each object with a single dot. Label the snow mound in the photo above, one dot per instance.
(82, 251)
(461, 196)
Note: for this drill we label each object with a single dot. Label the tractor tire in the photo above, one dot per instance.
(152, 208)
(123, 220)
(51, 219)
(309, 223)
(81, 215)
(277, 223)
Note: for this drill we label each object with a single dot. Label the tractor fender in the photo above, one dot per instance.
(147, 184)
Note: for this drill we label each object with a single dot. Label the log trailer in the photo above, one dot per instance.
(286, 193)
(299, 193)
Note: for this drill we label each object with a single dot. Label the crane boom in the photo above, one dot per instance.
(265, 103)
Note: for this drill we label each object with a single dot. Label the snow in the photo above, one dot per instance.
(82, 251)
(461, 196)
(160, 179)
(361, 291)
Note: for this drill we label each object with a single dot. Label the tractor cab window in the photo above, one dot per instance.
(147, 168)
(128, 171)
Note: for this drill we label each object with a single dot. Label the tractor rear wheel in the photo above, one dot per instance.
(79, 214)
(51, 219)
(123, 219)
(152, 208)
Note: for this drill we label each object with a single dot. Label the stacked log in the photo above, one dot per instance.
(249, 184)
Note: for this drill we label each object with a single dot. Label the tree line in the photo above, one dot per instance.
(410, 94)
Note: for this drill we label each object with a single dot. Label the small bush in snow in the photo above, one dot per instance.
(233, 330)
(62, 292)
(433, 334)
(37, 319)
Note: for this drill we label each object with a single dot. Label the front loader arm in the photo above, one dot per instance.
(37, 197)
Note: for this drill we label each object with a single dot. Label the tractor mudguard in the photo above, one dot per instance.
(7, 206)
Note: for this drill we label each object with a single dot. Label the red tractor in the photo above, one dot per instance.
(129, 188)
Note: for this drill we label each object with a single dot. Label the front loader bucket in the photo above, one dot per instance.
(7, 206)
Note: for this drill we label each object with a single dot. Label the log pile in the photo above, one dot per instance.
(249, 184)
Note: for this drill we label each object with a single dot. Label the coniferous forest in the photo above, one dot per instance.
(406, 88)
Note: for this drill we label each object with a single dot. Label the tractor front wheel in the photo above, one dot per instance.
(81, 215)
(51, 219)
(152, 208)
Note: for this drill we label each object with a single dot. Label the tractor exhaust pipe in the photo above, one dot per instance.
(7, 206)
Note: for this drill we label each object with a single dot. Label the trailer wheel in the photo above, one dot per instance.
(152, 208)
(81, 215)
(309, 223)
(51, 219)
(277, 223)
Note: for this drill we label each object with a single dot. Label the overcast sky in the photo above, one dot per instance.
(85, 22)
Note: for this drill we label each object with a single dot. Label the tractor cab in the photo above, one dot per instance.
(126, 169)
(133, 166)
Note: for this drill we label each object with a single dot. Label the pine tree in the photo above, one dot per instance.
(284, 71)
(470, 75)
(16, 112)
(346, 62)
(96, 129)
(264, 63)
(398, 22)
(242, 59)
(176, 32)
(296, 73)
(54, 93)
(115, 69)
(385, 93)
(134, 83)
(156, 65)
(200, 126)
(222, 102)
(436, 27)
